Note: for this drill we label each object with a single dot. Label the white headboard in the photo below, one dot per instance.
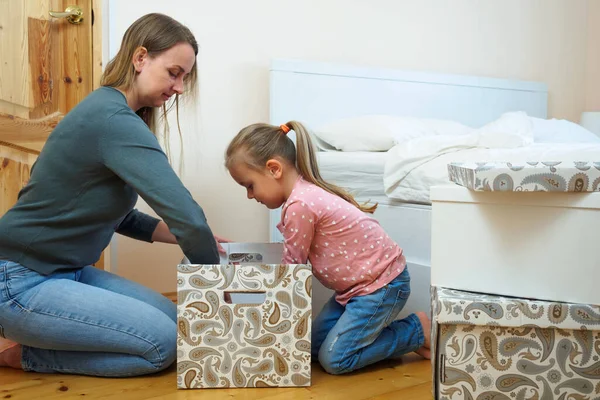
(315, 93)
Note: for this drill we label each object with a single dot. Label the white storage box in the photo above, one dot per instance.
(541, 245)
(490, 347)
(245, 322)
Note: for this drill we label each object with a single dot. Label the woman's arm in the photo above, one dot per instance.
(129, 149)
(163, 234)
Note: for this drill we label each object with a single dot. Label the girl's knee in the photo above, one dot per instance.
(331, 365)
(333, 360)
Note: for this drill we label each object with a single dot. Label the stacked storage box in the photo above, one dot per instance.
(514, 282)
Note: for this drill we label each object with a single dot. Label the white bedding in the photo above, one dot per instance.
(361, 173)
(419, 157)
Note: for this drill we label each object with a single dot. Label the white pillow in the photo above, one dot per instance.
(561, 131)
(407, 128)
(365, 133)
(382, 132)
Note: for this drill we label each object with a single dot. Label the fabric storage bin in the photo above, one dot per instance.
(245, 322)
(501, 348)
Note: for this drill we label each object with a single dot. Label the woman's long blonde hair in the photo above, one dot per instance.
(156, 33)
(258, 143)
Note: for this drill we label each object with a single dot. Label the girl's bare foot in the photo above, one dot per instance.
(424, 351)
(11, 355)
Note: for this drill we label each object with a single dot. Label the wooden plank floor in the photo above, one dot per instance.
(406, 379)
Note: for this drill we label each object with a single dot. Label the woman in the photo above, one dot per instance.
(58, 314)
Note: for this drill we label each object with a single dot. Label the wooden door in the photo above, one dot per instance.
(47, 65)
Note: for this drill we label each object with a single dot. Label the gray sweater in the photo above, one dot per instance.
(83, 188)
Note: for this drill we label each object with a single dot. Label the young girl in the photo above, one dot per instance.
(349, 252)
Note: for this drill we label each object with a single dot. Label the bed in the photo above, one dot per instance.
(318, 93)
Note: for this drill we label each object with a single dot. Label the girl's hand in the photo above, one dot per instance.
(219, 241)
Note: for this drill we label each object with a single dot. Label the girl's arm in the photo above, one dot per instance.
(298, 229)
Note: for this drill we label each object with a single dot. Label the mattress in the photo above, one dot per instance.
(360, 173)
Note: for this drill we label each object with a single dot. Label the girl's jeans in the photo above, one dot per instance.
(364, 331)
(86, 321)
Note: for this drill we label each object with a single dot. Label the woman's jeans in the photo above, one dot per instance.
(86, 321)
(364, 331)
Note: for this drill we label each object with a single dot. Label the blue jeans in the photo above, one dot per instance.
(364, 331)
(86, 321)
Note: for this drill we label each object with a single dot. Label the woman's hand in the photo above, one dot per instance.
(220, 240)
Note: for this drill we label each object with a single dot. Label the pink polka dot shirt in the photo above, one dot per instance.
(348, 250)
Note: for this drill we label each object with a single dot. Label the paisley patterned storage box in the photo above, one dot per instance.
(550, 176)
(245, 322)
(501, 348)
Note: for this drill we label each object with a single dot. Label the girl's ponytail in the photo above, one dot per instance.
(306, 162)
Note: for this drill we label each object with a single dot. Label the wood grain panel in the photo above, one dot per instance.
(75, 51)
(14, 76)
(31, 134)
(405, 379)
(44, 66)
(15, 167)
(97, 43)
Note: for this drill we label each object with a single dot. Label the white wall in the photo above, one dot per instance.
(541, 40)
(592, 77)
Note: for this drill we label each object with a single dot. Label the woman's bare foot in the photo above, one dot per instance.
(11, 357)
(424, 351)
